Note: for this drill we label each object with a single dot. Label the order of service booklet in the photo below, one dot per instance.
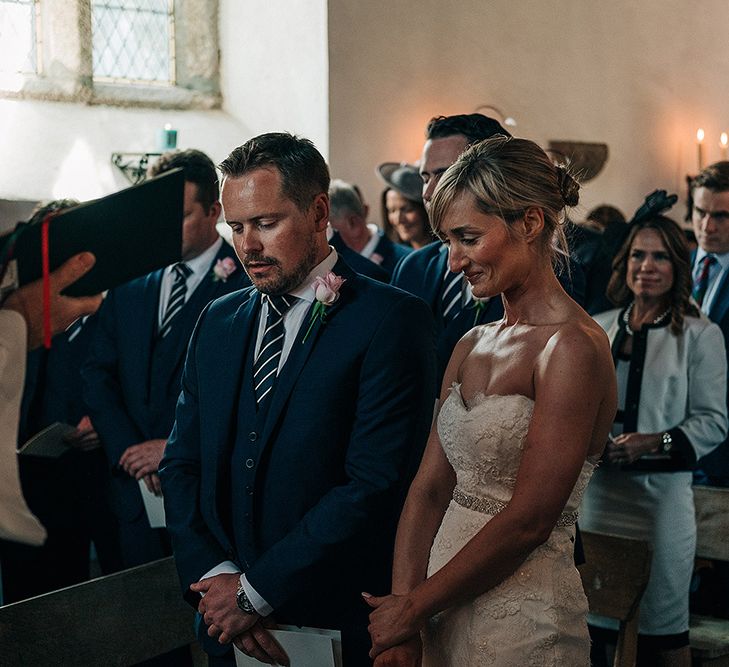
(154, 506)
(48, 443)
(306, 647)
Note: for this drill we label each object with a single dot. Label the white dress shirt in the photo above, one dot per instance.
(293, 320)
(199, 266)
(372, 243)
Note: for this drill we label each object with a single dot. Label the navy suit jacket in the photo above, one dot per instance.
(357, 262)
(326, 471)
(390, 252)
(421, 273)
(130, 388)
(716, 464)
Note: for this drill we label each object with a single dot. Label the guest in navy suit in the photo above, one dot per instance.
(710, 220)
(356, 262)
(132, 376)
(302, 418)
(425, 272)
(348, 216)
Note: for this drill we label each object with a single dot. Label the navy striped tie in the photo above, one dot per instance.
(177, 297)
(701, 284)
(265, 367)
(451, 299)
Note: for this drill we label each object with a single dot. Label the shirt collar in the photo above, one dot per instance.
(304, 290)
(370, 246)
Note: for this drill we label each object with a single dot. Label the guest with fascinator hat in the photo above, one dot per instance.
(404, 218)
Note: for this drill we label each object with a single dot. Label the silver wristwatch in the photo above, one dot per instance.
(244, 604)
(666, 443)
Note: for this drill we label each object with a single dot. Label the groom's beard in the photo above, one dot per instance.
(279, 280)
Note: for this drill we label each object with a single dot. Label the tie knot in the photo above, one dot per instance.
(280, 303)
(709, 260)
(182, 270)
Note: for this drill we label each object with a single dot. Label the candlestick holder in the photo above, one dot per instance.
(133, 165)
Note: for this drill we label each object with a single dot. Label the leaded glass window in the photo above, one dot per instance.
(133, 41)
(18, 47)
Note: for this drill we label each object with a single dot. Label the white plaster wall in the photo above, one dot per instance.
(274, 77)
(640, 77)
(55, 149)
(275, 66)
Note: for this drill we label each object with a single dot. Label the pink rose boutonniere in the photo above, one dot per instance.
(326, 291)
(223, 268)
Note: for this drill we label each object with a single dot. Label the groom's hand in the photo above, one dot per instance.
(260, 644)
(219, 608)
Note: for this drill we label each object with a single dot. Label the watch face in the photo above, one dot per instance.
(244, 604)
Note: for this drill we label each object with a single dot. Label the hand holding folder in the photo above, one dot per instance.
(64, 310)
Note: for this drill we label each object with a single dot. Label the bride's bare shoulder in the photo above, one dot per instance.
(579, 340)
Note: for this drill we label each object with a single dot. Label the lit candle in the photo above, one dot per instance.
(722, 144)
(167, 138)
(699, 146)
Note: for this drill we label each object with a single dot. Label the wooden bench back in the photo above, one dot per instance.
(712, 522)
(120, 619)
(615, 576)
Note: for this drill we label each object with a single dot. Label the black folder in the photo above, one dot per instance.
(131, 233)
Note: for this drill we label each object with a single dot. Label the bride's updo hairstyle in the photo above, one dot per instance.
(506, 176)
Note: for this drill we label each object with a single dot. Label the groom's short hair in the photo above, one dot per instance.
(304, 173)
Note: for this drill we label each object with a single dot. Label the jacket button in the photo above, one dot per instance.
(253, 436)
(249, 489)
(250, 463)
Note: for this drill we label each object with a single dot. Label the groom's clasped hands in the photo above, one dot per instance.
(248, 632)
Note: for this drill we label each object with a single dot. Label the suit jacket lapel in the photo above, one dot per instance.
(148, 314)
(236, 336)
(721, 299)
(301, 351)
(438, 265)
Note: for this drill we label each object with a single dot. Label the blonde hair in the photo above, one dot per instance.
(506, 176)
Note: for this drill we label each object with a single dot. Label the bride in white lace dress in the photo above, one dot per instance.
(484, 570)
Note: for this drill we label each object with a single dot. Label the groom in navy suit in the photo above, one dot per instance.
(302, 419)
(132, 375)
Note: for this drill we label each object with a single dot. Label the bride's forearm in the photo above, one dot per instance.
(485, 561)
(419, 522)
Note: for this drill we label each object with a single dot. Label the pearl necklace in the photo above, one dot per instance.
(629, 310)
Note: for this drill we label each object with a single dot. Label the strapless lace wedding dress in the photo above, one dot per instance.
(537, 615)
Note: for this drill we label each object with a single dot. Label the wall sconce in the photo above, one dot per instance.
(133, 165)
(505, 120)
(585, 158)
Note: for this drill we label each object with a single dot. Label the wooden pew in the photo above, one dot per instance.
(120, 619)
(709, 637)
(615, 576)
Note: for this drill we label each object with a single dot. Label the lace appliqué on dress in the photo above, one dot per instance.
(536, 616)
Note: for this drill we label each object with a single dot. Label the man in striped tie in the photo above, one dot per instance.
(710, 220)
(425, 272)
(132, 376)
(305, 407)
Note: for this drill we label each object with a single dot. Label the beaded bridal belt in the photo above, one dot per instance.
(493, 507)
